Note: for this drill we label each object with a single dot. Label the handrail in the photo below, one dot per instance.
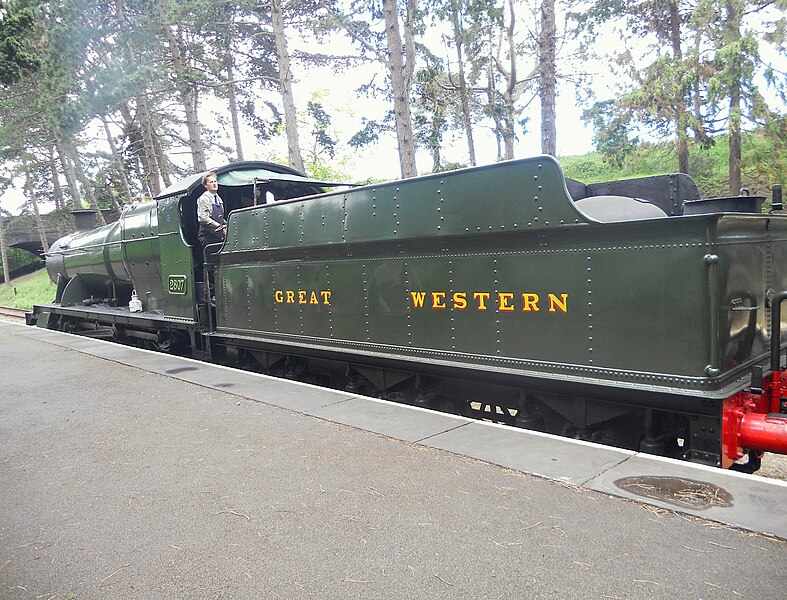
(776, 328)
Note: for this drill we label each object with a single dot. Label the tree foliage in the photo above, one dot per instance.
(17, 57)
(702, 73)
(106, 99)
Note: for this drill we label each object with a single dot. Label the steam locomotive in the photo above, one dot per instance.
(631, 312)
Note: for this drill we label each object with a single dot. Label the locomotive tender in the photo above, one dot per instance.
(630, 312)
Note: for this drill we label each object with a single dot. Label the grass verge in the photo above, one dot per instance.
(27, 290)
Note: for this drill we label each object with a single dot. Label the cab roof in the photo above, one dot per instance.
(242, 174)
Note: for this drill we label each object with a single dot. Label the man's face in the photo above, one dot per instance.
(211, 184)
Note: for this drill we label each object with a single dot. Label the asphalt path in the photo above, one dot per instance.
(120, 483)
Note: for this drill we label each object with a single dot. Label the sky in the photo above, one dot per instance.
(382, 160)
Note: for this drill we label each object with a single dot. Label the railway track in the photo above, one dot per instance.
(12, 314)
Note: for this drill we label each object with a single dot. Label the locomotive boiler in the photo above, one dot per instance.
(629, 312)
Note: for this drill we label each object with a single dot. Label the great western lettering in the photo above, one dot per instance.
(321, 297)
(529, 302)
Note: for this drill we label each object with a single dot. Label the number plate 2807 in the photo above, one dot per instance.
(177, 284)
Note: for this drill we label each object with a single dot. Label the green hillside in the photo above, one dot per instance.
(762, 165)
(35, 288)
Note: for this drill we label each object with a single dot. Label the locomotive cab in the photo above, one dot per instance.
(152, 252)
(241, 185)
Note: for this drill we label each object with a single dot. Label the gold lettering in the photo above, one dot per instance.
(302, 297)
(562, 304)
(530, 302)
(558, 302)
(460, 300)
(418, 299)
(482, 297)
(503, 301)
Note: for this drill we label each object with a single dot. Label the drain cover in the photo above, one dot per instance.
(685, 493)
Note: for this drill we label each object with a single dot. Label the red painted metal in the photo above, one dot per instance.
(746, 424)
(761, 432)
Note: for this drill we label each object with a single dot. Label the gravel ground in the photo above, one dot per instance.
(774, 466)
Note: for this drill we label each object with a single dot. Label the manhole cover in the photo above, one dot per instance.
(685, 493)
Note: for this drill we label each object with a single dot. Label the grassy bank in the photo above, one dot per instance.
(24, 292)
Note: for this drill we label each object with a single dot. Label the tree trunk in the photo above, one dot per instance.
(79, 172)
(3, 251)
(31, 194)
(509, 137)
(186, 90)
(463, 91)
(434, 142)
(491, 99)
(735, 141)
(162, 162)
(733, 39)
(63, 222)
(506, 113)
(401, 61)
(140, 132)
(146, 154)
(118, 163)
(682, 124)
(57, 190)
(234, 108)
(68, 171)
(285, 88)
(547, 78)
(698, 125)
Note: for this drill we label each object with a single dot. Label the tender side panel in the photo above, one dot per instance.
(648, 302)
(438, 269)
(559, 302)
(752, 267)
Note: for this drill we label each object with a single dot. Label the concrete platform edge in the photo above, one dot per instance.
(758, 504)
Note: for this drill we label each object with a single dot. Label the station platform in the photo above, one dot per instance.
(131, 474)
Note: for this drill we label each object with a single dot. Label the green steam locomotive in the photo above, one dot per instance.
(632, 312)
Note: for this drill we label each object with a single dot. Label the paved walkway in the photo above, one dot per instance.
(118, 479)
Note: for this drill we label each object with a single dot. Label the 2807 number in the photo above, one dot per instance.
(177, 284)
